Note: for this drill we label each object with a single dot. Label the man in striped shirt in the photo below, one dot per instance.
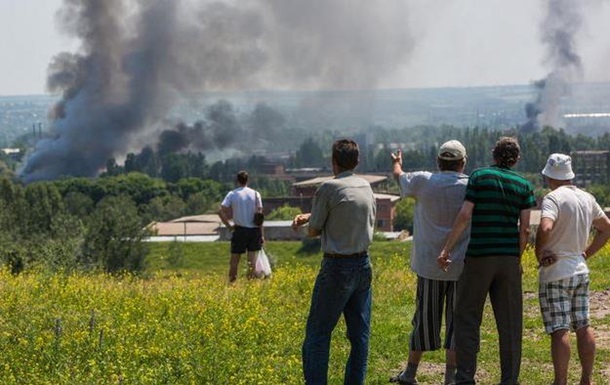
(497, 206)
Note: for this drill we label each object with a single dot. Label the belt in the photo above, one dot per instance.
(355, 255)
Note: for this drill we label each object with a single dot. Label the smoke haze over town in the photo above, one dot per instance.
(130, 63)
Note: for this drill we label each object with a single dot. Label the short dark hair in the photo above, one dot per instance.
(346, 154)
(506, 152)
(450, 165)
(242, 177)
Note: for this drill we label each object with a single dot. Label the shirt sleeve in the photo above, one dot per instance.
(598, 212)
(471, 189)
(319, 209)
(530, 199)
(259, 200)
(410, 181)
(228, 200)
(549, 208)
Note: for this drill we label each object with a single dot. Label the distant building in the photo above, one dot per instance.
(187, 228)
(591, 167)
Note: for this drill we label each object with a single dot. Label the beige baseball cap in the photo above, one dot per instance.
(452, 150)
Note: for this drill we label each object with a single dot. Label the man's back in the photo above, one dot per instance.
(344, 208)
(498, 194)
(439, 198)
(243, 202)
(573, 211)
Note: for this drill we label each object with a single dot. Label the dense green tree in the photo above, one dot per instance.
(95, 189)
(114, 237)
(161, 209)
(44, 203)
(112, 168)
(139, 187)
(404, 215)
(200, 203)
(78, 204)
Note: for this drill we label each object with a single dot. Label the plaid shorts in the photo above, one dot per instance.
(565, 303)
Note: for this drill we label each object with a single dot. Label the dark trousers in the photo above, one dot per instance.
(500, 277)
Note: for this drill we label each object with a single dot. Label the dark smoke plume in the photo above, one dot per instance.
(222, 128)
(563, 21)
(138, 58)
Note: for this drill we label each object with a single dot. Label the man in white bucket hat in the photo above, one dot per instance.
(562, 248)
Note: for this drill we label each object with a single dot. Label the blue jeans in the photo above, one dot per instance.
(343, 286)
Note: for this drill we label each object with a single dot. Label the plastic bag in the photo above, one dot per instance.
(262, 269)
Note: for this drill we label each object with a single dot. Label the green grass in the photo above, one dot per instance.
(182, 323)
(394, 294)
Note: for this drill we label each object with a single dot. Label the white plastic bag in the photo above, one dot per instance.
(262, 269)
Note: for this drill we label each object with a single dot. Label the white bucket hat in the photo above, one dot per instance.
(558, 167)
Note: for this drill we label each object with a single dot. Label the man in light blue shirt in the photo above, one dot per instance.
(438, 199)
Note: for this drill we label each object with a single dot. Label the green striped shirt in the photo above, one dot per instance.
(498, 194)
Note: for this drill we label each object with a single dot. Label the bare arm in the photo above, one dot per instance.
(524, 230)
(396, 163)
(225, 213)
(542, 235)
(459, 226)
(602, 225)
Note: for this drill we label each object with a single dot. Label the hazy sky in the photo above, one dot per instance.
(457, 43)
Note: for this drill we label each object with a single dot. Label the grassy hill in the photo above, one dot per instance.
(182, 324)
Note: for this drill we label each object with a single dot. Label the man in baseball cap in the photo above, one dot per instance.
(438, 199)
(452, 150)
(567, 216)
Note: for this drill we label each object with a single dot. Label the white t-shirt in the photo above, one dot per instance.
(439, 198)
(573, 212)
(243, 201)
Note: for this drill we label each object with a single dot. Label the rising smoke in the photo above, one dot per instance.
(138, 58)
(559, 30)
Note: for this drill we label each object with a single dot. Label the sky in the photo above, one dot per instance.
(456, 43)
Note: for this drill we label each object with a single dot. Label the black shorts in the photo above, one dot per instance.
(246, 239)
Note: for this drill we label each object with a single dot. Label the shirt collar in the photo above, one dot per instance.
(344, 174)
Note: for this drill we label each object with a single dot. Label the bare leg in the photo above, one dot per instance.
(233, 265)
(410, 371)
(415, 356)
(252, 256)
(560, 352)
(585, 341)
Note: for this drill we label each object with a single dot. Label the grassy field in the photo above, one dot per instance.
(182, 323)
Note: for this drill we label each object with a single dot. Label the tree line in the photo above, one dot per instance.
(99, 223)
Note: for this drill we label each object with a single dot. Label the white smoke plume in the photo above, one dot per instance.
(138, 58)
